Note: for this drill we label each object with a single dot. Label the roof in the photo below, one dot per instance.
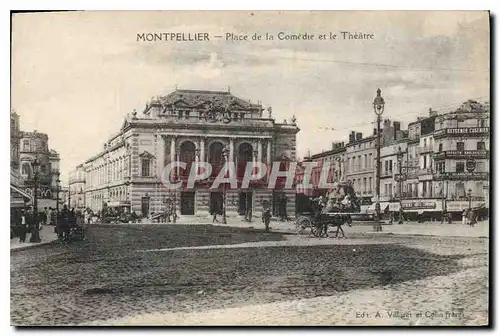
(198, 98)
(328, 153)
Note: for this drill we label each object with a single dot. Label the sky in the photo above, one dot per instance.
(75, 76)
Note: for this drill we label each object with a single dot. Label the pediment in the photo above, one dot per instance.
(146, 155)
(180, 103)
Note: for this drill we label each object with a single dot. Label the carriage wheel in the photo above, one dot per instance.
(317, 230)
(304, 226)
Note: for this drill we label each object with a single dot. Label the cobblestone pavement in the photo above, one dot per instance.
(108, 280)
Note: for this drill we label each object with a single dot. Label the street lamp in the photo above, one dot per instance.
(378, 108)
(35, 234)
(58, 187)
(69, 195)
(225, 153)
(469, 195)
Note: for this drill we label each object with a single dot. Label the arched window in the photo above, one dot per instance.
(26, 169)
(215, 157)
(245, 152)
(188, 155)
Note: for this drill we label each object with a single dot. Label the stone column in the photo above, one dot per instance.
(260, 150)
(231, 150)
(160, 156)
(172, 148)
(268, 158)
(197, 158)
(202, 149)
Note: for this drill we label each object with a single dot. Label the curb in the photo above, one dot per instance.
(22, 248)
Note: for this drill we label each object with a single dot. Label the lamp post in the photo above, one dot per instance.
(35, 234)
(378, 108)
(469, 195)
(443, 197)
(69, 195)
(58, 187)
(400, 170)
(225, 153)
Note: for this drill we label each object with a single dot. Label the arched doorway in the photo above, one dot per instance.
(217, 161)
(215, 157)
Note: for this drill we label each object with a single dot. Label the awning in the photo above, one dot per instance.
(16, 190)
(115, 204)
(394, 207)
(17, 203)
(384, 206)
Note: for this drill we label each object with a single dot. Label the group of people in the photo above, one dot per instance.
(66, 222)
(22, 222)
(28, 220)
(469, 217)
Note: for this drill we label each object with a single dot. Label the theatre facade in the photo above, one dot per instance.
(192, 126)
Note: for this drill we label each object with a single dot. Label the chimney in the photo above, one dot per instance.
(352, 136)
(359, 136)
(374, 131)
(397, 128)
(334, 145)
(432, 113)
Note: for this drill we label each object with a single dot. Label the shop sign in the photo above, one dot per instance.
(454, 206)
(419, 205)
(470, 165)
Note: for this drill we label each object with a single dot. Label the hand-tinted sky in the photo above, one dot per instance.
(76, 75)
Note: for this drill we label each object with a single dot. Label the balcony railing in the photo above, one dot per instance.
(425, 171)
(386, 173)
(425, 149)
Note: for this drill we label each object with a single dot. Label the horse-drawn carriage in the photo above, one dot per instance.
(334, 210)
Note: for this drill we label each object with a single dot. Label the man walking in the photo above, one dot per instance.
(22, 228)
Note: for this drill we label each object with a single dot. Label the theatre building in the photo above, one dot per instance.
(191, 126)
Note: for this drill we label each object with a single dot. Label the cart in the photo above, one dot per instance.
(317, 221)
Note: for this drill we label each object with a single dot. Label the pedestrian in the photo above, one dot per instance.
(23, 229)
(62, 223)
(49, 216)
(464, 217)
(472, 217)
(214, 214)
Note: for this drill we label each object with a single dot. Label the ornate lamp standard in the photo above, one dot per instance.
(58, 187)
(35, 234)
(378, 108)
(225, 153)
(469, 196)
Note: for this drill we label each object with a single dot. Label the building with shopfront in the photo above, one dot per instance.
(25, 148)
(76, 188)
(461, 155)
(18, 197)
(191, 126)
(334, 159)
(360, 154)
(393, 161)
